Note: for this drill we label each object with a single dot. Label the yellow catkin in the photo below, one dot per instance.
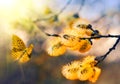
(83, 69)
(70, 70)
(55, 48)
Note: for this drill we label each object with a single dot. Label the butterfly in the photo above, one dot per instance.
(83, 70)
(19, 51)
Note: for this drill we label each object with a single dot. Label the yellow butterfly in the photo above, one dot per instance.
(83, 70)
(19, 51)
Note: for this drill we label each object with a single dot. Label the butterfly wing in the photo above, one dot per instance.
(17, 47)
(29, 49)
(17, 43)
(26, 55)
(16, 55)
(24, 58)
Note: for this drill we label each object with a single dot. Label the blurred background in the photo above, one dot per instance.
(29, 19)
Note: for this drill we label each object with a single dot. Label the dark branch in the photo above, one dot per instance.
(102, 36)
(54, 35)
(69, 1)
(89, 38)
(101, 58)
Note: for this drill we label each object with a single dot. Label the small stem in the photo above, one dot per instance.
(102, 36)
(89, 38)
(54, 35)
(68, 2)
(101, 58)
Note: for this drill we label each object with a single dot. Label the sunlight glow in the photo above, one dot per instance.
(7, 3)
(12, 11)
(15, 9)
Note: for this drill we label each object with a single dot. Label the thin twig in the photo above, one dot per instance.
(76, 15)
(101, 58)
(82, 4)
(102, 36)
(89, 38)
(69, 1)
(99, 18)
(54, 35)
(102, 13)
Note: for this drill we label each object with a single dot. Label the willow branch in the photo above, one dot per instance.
(101, 58)
(69, 1)
(102, 36)
(54, 35)
(89, 38)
